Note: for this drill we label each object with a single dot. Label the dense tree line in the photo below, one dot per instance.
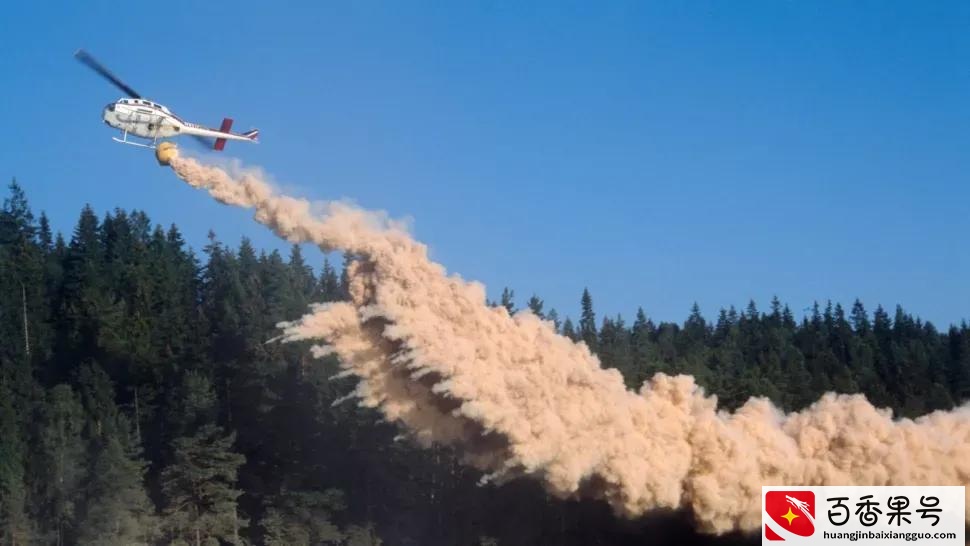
(141, 404)
(898, 362)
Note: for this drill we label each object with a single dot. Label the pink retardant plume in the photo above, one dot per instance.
(517, 399)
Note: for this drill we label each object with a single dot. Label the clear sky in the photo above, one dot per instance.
(659, 153)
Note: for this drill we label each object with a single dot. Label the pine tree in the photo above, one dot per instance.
(568, 330)
(958, 364)
(644, 354)
(15, 528)
(735, 383)
(48, 286)
(199, 486)
(301, 284)
(615, 348)
(222, 292)
(21, 288)
(44, 234)
(86, 300)
(860, 319)
(281, 299)
(788, 320)
(587, 322)
(722, 327)
(605, 342)
(117, 509)
(329, 283)
(57, 464)
(17, 221)
(535, 305)
(97, 394)
(553, 316)
(195, 404)
(882, 340)
(507, 300)
(302, 518)
(776, 311)
(695, 327)
(177, 332)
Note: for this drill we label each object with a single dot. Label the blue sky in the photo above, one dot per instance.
(659, 153)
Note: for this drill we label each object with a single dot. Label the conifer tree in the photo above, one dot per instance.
(535, 305)
(695, 327)
(303, 519)
(788, 319)
(615, 349)
(22, 312)
(57, 464)
(15, 528)
(329, 283)
(117, 510)
(301, 284)
(958, 364)
(587, 321)
(97, 395)
(776, 311)
(199, 486)
(553, 316)
(507, 300)
(568, 330)
(860, 319)
(643, 349)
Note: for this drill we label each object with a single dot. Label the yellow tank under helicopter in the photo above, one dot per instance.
(165, 152)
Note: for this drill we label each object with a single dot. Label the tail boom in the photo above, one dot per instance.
(221, 135)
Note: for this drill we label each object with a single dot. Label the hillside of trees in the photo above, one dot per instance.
(140, 404)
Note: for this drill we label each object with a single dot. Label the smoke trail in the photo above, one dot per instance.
(517, 399)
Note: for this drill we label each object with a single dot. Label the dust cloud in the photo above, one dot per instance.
(516, 399)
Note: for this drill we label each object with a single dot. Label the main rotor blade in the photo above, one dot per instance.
(87, 59)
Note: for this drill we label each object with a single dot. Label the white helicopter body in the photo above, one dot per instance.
(150, 120)
(147, 119)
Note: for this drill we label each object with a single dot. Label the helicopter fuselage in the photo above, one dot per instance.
(142, 118)
(136, 116)
(146, 119)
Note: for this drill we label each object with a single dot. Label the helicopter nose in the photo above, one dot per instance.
(107, 114)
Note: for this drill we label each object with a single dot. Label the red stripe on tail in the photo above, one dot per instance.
(224, 128)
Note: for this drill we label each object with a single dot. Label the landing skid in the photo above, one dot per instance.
(130, 143)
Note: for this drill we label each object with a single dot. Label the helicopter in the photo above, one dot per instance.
(137, 116)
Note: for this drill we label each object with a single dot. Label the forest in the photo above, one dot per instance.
(140, 403)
